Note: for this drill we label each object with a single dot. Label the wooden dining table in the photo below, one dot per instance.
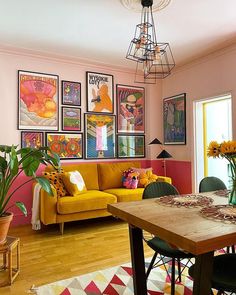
(183, 227)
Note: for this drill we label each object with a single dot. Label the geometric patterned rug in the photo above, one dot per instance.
(115, 281)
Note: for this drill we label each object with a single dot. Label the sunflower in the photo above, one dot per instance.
(213, 149)
(228, 147)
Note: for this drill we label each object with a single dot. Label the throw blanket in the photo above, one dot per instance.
(35, 221)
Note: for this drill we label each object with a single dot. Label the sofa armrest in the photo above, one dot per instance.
(48, 207)
(164, 178)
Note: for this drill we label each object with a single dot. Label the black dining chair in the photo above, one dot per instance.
(224, 273)
(164, 253)
(212, 183)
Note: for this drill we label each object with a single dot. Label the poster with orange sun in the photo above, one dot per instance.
(37, 101)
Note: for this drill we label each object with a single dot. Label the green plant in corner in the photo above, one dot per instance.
(13, 163)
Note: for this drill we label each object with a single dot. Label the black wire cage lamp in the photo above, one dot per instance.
(154, 59)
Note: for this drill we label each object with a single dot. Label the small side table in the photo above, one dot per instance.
(7, 250)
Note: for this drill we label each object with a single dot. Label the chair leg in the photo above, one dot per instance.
(173, 277)
(227, 249)
(151, 264)
(233, 248)
(179, 269)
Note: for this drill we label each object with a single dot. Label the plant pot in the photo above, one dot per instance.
(5, 221)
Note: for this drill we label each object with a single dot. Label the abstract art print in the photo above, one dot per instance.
(66, 145)
(71, 93)
(37, 101)
(174, 115)
(31, 139)
(100, 136)
(99, 93)
(130, 109)
(71, 119)
(130, 146)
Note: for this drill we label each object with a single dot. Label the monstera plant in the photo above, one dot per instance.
(15, 162)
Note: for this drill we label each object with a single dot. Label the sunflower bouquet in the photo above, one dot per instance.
(226, 150)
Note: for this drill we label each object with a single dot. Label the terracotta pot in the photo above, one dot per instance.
(5, 221)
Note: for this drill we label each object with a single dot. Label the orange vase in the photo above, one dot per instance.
(5, 221)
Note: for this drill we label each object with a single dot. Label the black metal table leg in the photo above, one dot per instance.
(202, 274)
(137, 258)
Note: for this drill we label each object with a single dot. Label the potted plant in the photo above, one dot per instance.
(14, 162)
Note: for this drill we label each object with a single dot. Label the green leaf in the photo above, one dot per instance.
(22, 207)
(3, 164)
(14, 165)
(45, 184)
(6, 148)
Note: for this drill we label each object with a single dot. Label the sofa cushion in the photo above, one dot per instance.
(125, 194)
(90, 200)
(74, 183)
(88, 171)
(110, 174)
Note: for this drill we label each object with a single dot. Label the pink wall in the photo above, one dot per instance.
(206, 77)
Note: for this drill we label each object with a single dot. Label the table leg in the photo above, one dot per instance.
(202, 274)
(137, 257)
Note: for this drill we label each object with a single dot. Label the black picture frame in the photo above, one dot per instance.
(70, 118)
(99, 93)
(70, 93)
(128, 146)
(174, 119)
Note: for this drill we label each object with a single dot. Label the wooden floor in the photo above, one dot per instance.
(86, 246)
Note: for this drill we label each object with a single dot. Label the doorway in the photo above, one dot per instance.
(213, 121)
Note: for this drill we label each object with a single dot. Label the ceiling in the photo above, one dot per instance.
(101, 30)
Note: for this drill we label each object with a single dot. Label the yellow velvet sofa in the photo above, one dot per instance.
(104, 186)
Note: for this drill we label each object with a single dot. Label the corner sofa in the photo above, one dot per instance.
(104, 186)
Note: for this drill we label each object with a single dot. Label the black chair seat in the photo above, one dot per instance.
(165, 249)
(224, 273)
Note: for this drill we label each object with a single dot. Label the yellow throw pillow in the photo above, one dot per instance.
(146, 178)
(74, 183)
(55, 180)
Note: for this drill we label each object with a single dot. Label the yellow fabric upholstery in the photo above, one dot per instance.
(110, 174)
(125, 194)
(74, 183)
(91, 200)
(104, 186)
(146, 178)
(88, 171)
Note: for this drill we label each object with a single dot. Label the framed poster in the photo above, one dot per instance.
(130, 146)
(130, 109)
(32, 139)
(37, 101)
(174, 116)
(100, 97)
(71, 93)
(71, 119)
(66, 145)
(100, 136)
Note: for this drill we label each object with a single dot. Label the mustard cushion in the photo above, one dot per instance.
(141, 171)
(90, 200)
(146, 178)
(88, 171)
(74, 183)
(125, 194)
(110, 174)
(55, 180)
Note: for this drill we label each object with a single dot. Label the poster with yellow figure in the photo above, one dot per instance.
(37, 101)
(99, 93)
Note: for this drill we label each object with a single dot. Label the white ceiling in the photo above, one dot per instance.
(100, 30)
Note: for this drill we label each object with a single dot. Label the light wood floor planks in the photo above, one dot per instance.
(86, 246)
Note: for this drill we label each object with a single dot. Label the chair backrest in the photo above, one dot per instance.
(158, 189)
(211, 183)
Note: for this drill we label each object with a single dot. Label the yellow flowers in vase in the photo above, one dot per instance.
(227, 150)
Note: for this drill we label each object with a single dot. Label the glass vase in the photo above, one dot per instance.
(232, 196)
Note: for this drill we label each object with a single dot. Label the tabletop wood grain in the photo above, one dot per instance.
(180, 226)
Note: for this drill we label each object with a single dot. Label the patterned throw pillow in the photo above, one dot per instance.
(55, 179)
(141, 171)
(130, 179)
(74, 183)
